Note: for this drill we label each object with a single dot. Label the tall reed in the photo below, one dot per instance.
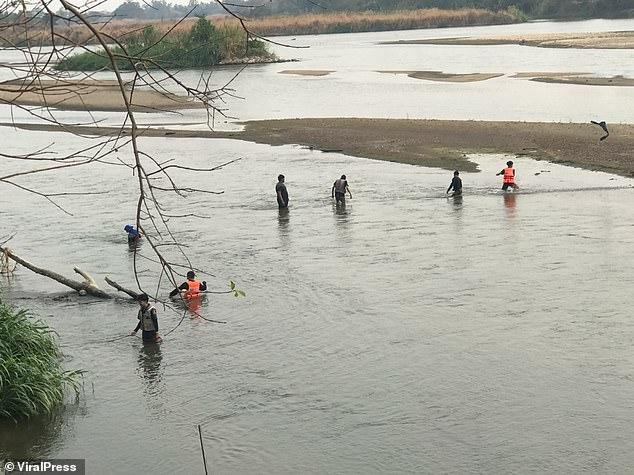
(32, 380)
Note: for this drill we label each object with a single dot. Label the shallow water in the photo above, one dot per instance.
(406, 332)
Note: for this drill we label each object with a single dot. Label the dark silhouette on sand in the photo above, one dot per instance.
(604, 126)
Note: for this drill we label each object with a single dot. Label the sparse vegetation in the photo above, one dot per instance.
(32, 380)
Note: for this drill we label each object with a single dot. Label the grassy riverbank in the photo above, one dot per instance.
(311, 23)
(432, 143)
(352, 22)
(32, 380)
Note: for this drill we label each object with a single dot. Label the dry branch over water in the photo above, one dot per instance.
(433, 143)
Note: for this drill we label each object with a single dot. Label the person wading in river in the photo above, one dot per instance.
(281, 192)
(456, 184)
(190, 289)
(508, 179)
(133, 234)
(339, 189)
(148, 320)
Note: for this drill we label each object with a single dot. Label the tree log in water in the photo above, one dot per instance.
(88, 286)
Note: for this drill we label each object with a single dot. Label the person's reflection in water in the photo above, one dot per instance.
(342, 213)
(283, 218)
(283, 221)
(135, 245)
(150, 370)
(510, 201)
(456, 201)
(194, 306)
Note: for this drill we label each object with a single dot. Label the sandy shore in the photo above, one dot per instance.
(434, 143)
(446, 77)
(89, 95)
(588, 80)
(606, 40)
(307, 72)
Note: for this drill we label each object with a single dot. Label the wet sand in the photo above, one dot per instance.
(446, 77)
(307, 72)
(89, 95)
(587, 81)
(433, 143)
(606, 40)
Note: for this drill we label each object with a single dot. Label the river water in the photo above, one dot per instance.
(406, 332)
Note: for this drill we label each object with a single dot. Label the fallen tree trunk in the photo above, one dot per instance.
(88, 286)
(131, 293)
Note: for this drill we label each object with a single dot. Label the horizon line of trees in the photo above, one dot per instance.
(530, 8)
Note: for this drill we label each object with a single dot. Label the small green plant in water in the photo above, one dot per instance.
(236, 292)
(32, 380)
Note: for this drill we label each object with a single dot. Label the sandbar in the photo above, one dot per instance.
(446, 77)
(603, 40)
(307, 72)
(433, 143)
(89, 95)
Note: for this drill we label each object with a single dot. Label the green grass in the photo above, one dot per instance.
(203, 46)
(32, 380)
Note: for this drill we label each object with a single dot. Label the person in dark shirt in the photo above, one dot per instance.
(339, 188)
(456, 184)
(190, 289)
(281, 192)
(148, 320)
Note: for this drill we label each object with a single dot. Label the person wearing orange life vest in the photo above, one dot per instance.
(190, 289)
(508, 177)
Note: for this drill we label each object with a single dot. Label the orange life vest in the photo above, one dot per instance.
(509, 176)
(194, 289)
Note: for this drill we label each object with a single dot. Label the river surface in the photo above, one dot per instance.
(404, 332)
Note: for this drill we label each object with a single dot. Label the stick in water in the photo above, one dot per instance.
(202, 448)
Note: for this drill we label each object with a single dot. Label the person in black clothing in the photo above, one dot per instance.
(456, 184)
(190, 289)
(148, 320)
(281, 192)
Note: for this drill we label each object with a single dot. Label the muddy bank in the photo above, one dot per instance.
(89, 95)
(433, 143)
(607, 40)
(446, 77)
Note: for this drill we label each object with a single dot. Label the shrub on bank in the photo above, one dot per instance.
(32, 380)
(203, 46)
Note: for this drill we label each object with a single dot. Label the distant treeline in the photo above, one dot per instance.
(161, 10)
(530, 8)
